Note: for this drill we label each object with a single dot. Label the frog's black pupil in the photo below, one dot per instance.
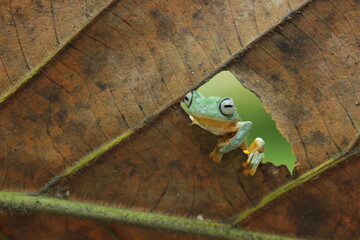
(186, 98)
(228, 106)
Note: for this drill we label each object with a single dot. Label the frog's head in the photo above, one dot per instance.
(217, 108)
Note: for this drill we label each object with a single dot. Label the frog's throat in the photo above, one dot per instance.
(215, 126)
(197, 118)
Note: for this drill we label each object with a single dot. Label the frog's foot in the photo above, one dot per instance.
(255, 156)
(215, 155)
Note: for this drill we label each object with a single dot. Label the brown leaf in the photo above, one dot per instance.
(32, 31)
(40, 226)
(136, 60)
(324, 208)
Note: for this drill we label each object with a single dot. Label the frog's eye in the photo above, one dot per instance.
(227, 106)
(188, 99)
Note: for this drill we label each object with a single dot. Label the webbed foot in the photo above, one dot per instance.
(255, 156)
(216, 156)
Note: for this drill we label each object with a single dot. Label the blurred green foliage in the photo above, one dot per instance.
(277, 150)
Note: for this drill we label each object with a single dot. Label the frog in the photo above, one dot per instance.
(219, 116)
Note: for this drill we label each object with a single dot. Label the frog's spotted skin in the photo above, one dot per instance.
(219, 116)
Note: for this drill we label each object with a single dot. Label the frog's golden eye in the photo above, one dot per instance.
(227, 106)
(188, 99)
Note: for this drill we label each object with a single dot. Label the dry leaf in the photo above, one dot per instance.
(139, 58)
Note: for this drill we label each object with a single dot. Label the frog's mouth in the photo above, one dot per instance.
(215, 126)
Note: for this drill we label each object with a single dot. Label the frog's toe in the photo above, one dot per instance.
(257, 145)
(252, 163)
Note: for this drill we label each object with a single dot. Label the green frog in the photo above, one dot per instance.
(220, 117)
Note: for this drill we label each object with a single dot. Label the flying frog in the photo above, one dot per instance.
(220, 117)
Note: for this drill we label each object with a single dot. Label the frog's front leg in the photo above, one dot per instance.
(240, 137)
(255, 152)
(225, 144)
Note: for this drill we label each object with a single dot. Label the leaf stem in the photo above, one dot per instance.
(18, 201)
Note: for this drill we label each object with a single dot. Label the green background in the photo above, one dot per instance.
(277, 150)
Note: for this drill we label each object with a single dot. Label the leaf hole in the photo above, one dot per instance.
(277, 150)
